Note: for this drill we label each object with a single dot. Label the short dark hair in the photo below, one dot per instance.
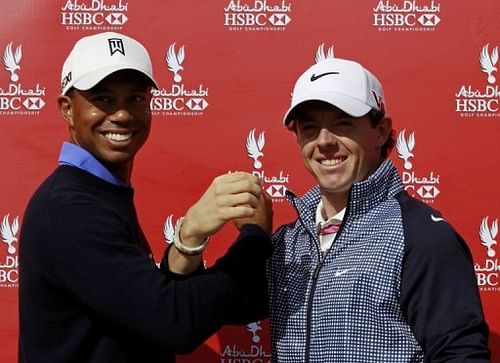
(375, 117)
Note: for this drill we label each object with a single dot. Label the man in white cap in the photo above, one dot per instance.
(89, 288)
(366, 273)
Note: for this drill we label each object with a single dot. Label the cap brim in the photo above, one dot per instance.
(348, 104)
(92, 78)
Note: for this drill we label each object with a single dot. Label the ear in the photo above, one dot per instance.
(383, 128)
(66, 108)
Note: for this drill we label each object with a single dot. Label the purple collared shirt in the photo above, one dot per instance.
(78, 157)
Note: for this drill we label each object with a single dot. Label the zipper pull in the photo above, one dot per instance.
(316, 271)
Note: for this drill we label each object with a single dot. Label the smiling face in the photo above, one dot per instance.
(337, 149)
(111, 120)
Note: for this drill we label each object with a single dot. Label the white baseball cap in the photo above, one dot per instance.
(342, 83)
(96, 56)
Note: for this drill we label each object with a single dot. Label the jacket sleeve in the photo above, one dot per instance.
(245, 261)
(439, 293)
(93, 259)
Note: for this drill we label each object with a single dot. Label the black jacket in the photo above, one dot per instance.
(90, 291)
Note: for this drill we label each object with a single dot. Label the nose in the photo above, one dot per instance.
(326, 137)
(121, 114)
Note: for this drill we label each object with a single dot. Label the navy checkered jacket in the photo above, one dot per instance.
(397, 285)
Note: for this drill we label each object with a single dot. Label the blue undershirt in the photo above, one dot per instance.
(78, 157)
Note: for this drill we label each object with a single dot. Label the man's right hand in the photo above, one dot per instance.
(230, 196)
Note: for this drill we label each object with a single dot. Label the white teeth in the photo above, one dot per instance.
(331, 162)
(118, 137)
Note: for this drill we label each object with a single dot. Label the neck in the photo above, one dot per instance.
(123, 173)
(332, 204)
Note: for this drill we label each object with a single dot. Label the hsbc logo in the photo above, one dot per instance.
(116, 19)
(98, 14)
(488, 269)
(279, 19)
(423, 187)
(429, 20)
(15, 99)
(481, 100)
(259, 15)
(276, 191)
(406, 16)
(428, 191)
(179, 99)
(197, 104)
(33, 103)
(276, 184)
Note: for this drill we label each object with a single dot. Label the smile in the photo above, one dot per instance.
(331, 162)
(118, 137)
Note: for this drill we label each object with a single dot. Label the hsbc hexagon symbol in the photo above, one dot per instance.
(116, 19)
(33, 103)
(428, 191)
(429, 19)
(276, 190)
(279, 19)
(197, 104)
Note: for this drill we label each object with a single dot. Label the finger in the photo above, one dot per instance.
(241, 211)
(238, 187)
(238, 176)
(233, 200)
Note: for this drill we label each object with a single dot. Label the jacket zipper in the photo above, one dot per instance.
(311, 294)
(321, 259)
(309, 311)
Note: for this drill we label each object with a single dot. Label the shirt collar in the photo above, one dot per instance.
(78, 157)
(336, 219)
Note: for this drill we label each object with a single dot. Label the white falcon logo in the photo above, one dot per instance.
(174, 61)
(488, 62)
(9, 232)
(405, 148)
(254, 328)
(320, 53)
(168, 230)
(488, 235)
(254, 147)
(11, 61)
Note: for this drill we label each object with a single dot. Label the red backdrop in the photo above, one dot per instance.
(241, 60)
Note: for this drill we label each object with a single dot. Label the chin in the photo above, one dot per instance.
(334, 186)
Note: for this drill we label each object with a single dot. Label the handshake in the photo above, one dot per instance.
(236, 197)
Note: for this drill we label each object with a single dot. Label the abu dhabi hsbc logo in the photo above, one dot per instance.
(406, 15)
(259, 15)
(483, 100)
(94, 14)
(253, 353)
(425, 187)
(488, 269)
(15, 98)
(274, 185)
(179, 99)
(8, 254)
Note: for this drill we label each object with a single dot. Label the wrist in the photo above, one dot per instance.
(186, 246)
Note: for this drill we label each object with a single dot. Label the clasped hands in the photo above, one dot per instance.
(236, 197)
